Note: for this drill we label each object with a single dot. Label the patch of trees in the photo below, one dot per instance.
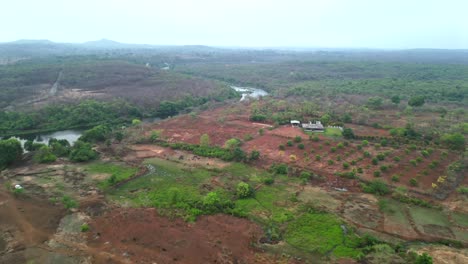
(55, 117)
(10, 151)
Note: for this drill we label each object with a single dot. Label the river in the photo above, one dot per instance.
(249, 92)
(70, 135)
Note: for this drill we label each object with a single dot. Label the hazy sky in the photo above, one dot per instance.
(303, 23)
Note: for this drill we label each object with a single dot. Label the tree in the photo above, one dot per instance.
(96, 134)
(375, 102)
(244, 190)
(45, 155)
(325, 119)
(204, 140)
(348, 133)
(232, 143)
(396, 99)
(254, 155)
(416, 101)
(136, 122)
(10, 150)
(82, 151)
(455, 141)
(347, 118)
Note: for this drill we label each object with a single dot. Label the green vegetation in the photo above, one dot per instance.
(44, 155)
(69, 202)
(84, 227)
(376, 187)
(10, 150)
(117, 173)
(82, 152)
(333, 132)
(321, 233)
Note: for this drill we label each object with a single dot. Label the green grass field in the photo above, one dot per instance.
(119, 172)
(332, 132)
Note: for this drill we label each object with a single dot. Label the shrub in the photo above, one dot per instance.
(44, 155)
(375, 161)
(84, 227)
(366, 154)
(376, 187)
(384, 168)
(280, 168)
(360, 170)
(281, 147)
(340, 145)
(204, 140)
(419, 159)
(69, 202)
(396, 159)
(414, 162)
(463, 190)
(318, 157)
(413, 182)
(338, 158)
(433, 164)
(384, 142)
(10, 150)
(96, 134)
(425, 153)
(376, 173)
(269, 181)
(243, 190)
(300, 146)
(82, 151)
(333, 149)
(232, 144)
(345, 165)
(254, 155)
(331, 162)
(290, 143)
(292, 157)
(315, 138)
(395, 178)
(305, 175)
(261, 131)
(297, 139)
(348, 133)
(380, 156)
(248, 137)
(365, 143)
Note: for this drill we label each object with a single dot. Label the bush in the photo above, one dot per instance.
(376, 187)
(425, 153)
(315, 138)
(380, 156)
(414, 162)
(395, 178)
(69, 202)
(44, 155)
(384, 168)
(281, 147)
(345, 165)
(305, 175)
(413, 182)
(254, 155)
(297, 139)
(376, 173)
(280, 168)
(318, 157)
(300, 146)
(366, 154)
(84, 227)
(331, 162)
(82, 151)
(360, 170)
(348, 133)
(365, 143)
(455, 141)
(243, 190)
(396, 159)
(340, 145)
(290, 143)
(96, 134)
(10, 150)
(375, 161)
(269, 181)
(333, 149)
